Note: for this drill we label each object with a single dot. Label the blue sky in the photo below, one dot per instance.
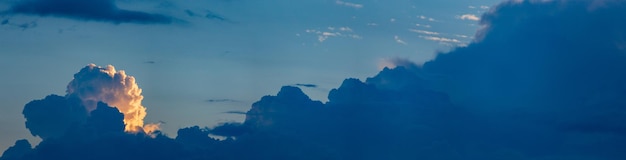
(243, 51)
(446, 80)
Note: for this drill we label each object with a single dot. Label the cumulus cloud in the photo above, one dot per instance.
(95, 10)
(17, 151)
(53, 116)
(95, 84)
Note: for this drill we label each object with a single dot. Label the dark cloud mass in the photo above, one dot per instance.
(546, 80)
(53, 115)
(88, 10)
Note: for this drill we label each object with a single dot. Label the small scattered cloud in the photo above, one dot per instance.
(398, 40)
(453, 42)
(462, 36)
(423, 25)
(426, 18)
(471, 17)
(235, 112)
(323, 35)
(424, 32)
(349, 4)
(306, 85)
(220, 100)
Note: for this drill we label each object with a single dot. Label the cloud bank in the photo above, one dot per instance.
(545, 80)
(88, 10)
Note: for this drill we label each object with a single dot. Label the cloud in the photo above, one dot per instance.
(220, 100)
(424, 32)
(100, 10)
(209, 15)
(94, 84)
(398, 40)
(52, 116)
(345, 32)
(444, 40)
(17, 151)
(235, 112)
(306, 85)
(426, 18)
(471, 17)
(349, 4)
(423, 25)
(23, 26)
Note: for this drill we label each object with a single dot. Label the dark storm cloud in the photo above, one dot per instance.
(16, 151)
(88, 10)
(545, 81)
(53, 116)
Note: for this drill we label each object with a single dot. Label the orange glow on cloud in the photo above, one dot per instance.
(94, 83)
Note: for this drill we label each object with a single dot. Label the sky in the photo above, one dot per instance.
(278, 79)
(186, 66)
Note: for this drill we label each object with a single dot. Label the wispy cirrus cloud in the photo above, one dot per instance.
(424, 32)
(324, 34)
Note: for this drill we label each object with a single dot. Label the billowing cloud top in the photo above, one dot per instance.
(545, 81)
(95, 84)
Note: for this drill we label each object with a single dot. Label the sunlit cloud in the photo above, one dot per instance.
(471, 17)
(95, 84)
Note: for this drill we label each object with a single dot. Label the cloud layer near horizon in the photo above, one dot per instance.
(545, 81)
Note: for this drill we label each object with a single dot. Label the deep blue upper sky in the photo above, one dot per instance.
(197, 59)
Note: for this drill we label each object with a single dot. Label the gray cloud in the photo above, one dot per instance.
(93, 10)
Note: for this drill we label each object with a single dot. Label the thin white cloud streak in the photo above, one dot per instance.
(471, 17)
(349, 4)
(424, 32)
(398, 40)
